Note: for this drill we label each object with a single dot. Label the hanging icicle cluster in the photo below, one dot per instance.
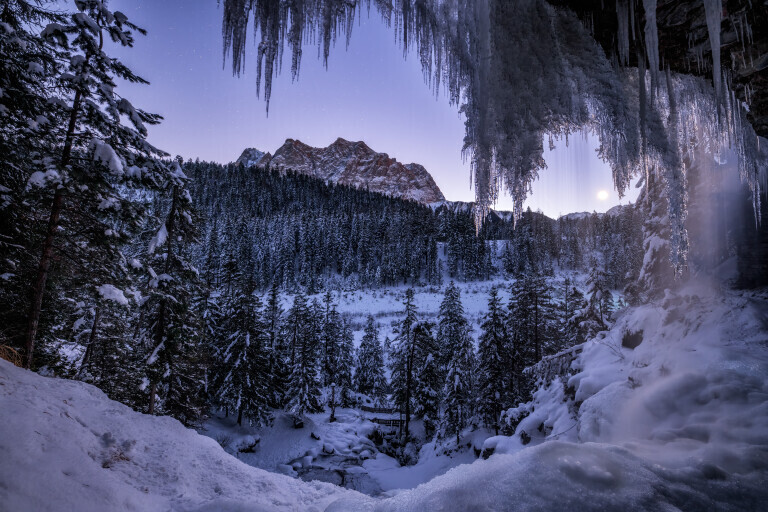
(522, 70)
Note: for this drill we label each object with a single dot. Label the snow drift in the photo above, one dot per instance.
(678, 423)
(65, 446)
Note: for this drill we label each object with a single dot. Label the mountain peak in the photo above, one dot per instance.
(352, 163)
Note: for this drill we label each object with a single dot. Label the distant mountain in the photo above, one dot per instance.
(612, 212)
(252, 156)
(354, 164)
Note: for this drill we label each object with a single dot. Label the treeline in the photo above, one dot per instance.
(304, 233)
(438, 375)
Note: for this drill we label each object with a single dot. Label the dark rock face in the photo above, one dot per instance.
(353, 164)
(684, 42)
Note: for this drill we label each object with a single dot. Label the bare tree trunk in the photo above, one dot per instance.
(91, 339)
(152, 393)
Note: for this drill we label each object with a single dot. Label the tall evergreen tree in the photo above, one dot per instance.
(175, 366)
(369, 367)
(493, 363)
(457, 345)
(94, 157)
(277, 348)
(401, 360)
(243, 375)
(428, 378)
(303, 394)
(571, 311)
(344, 364)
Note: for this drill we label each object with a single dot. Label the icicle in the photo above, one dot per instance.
(652, 42)
(622, 16)
(714, 13)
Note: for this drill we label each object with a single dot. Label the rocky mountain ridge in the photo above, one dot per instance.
(351, 163)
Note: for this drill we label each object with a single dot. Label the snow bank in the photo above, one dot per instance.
(65, 446)
(678, 423)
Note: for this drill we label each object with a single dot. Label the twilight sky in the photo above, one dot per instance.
(369, 92)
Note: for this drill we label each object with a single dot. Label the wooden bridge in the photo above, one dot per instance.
(395, 423)
(392, 423)
(377, 410)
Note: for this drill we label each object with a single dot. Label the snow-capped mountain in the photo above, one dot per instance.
(252, 156)
(351, 163)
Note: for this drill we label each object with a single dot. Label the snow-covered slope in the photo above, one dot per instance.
(354, 164)
(678, 423)
(64, 446)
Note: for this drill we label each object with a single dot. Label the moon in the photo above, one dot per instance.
(602, 195)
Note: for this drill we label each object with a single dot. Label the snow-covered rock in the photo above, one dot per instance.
(65, 446)
(252, 156)
(354, 164)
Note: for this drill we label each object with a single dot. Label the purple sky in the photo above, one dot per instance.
(369, 92)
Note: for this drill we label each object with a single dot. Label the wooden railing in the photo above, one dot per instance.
(377, 410)
(387, 422)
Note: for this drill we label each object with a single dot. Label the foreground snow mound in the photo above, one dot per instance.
(569, 476)
(679, 422)
(65, 446)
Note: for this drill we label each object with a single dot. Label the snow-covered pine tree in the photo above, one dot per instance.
(244, 379)
(428, 378)
(278, 349)
(331, 340)
(493, 369)
(401, 360)
(28, 67)
(344, 364)
(95, 158)
(456, 344)
(369, 367)
(571, 309)
(302, 329)
(176, 362)
(599, 298)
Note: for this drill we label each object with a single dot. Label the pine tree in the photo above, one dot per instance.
(95, 158)
(244, 379)
(428, 378)
(369, 367)
(493, 349)
(572, 305)
(401, 360)
(277, 348)
(304, 343)
(331, 339)
(656, 272)
(456, 343)
(599, 301)
(344, 364)
(175, 366)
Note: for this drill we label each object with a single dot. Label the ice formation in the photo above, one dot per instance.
(524, 70)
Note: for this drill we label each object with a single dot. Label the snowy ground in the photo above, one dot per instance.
(340, 452)
(64, 446)
(678, 423)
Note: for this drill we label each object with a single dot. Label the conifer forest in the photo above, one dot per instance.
(322, 326)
